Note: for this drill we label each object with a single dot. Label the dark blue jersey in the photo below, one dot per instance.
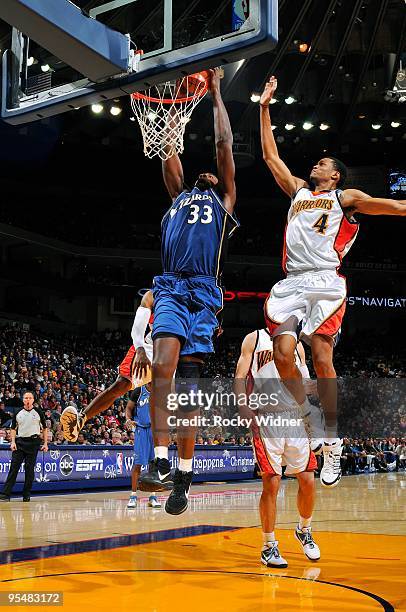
(195, 231)
(141, 412)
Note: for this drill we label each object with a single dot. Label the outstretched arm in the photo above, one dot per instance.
(282, 175)
(172, 172)
(224, 143)
(172, 168)
(358, 201)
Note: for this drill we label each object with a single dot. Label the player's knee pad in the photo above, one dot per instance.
(187, 381)
(290, 327)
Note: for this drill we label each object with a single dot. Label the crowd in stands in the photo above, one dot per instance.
(72, 369)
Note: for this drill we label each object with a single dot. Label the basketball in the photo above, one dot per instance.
(192, 85)
(202, 381)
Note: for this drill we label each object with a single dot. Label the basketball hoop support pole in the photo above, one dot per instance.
(87, 45)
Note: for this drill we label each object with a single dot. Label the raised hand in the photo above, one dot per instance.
(142, 363)
(269, 91)
(214, 81)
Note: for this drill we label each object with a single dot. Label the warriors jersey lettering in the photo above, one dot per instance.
(195, 231)
(318, 234)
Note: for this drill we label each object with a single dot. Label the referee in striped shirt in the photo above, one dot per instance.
(28, 430)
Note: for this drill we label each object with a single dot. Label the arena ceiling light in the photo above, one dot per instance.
(97, 108)
(289, 127)
(307, 125)
(45, 67)
(324, 126)
(115, 111)
(274, 101)
(376, 126)
(152, 116)
(290, 100)
(255, 97)
(395, 124)
(274, 127)
(30, 61)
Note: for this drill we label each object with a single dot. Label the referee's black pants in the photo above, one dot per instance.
(27, 451)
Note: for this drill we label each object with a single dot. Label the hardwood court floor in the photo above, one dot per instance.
(101, 555)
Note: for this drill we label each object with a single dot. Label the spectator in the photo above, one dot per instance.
(116, 438)
(5, 417)
(82, 440)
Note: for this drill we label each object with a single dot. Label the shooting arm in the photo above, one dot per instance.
(172, 172)
(358, 201)
(224, 145)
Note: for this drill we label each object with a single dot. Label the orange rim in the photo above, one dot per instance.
(142, 96)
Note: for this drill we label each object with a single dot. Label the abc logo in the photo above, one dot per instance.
(66, 465)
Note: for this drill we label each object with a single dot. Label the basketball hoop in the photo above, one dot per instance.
(164, 110)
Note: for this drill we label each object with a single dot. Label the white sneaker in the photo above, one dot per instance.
(310, 548)
(271, 557)
(316, 445)
(132, 502)
(153, 502)
(72, 422)
(330, 474)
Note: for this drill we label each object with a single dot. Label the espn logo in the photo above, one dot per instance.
(89, 465)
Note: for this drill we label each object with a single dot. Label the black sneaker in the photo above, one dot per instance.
(158, 477)
(4, 497)
(26, 498)
(177, 500)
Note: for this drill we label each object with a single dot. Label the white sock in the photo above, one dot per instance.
(268, 537)
(161, 452)
(305, 522)
(185, 465)
(133, 493)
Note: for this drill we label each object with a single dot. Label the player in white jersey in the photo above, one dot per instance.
(280, 440)
(134, 371)
(320, 230)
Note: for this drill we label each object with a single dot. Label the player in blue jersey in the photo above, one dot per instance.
(138, 419)
(188, 295)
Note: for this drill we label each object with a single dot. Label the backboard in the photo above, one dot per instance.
(176, 37)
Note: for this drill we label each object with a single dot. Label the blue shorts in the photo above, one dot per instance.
(187, 307)
(143, 445)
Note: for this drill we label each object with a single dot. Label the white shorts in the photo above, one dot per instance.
(272, 453)
(317, 299)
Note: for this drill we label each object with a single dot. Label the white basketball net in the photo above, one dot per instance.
(163, 111)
